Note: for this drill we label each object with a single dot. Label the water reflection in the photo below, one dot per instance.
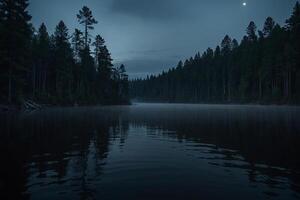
(151, 151)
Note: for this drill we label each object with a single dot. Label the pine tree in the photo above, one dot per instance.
(87, 75)
(293, 23)
(104, 72)
(105, 62)
(85, 17)
(251, 32)
(268, 27)
(50, 69)
(226, 47)
(64, 64)
(123, 85)
(98, 44)
(122, 72)
(235, 44)
(77, 44)
(43, 57)
(15, 36)
(293, 27)
(179, 65)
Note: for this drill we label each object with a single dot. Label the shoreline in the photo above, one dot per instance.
(12, 108)
(222, 103)
(5, 108)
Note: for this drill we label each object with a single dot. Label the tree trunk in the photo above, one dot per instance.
(56, 86)
(44, 79)
(10, 85)
(86, 34)
(34, 81)
(260, 88)
(229, 94)
(287, 85)
(224, 87)
(228, 88)
(70, 91)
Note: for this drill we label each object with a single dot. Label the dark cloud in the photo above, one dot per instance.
(151, 9)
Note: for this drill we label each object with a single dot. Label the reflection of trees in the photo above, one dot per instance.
(264, 137)
(58, 146)
(71, 145)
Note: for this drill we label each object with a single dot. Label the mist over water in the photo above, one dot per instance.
(151, 151)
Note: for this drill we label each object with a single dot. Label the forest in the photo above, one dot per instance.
(263, 68)
(63, 68)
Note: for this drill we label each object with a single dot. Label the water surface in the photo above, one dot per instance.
(151, 151)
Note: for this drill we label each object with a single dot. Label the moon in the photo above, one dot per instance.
(244, 4)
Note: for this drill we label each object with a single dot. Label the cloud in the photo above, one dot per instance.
(169, 9)
(148, 9)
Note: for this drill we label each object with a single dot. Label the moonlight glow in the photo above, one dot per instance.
(244, 4)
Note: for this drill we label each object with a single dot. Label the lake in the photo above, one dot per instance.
(151, 151)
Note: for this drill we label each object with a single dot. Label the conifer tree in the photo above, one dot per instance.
(15, 36)
(251, 32)
(293, 26)
(64, 64)
(268, 27)
(50, 69)
(77, 43)
(98, 44)
(43, 57)
(85, 17)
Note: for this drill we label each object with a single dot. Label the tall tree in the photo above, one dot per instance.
(180, 65)
(268, 27)
(251, 32)
(104, 72)
(49, 69)
(64, 64)
(226, 47)
(98, 44)
(293, 27)
(15, 39)
(123, 85)
(293, 21)
(105, 62)
(235, 44)
(77, 43)
(85, 17)
(43, 57)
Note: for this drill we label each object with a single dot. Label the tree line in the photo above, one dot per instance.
(62, 68)
(263, 68)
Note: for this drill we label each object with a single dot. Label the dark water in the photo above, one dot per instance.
(152, 151)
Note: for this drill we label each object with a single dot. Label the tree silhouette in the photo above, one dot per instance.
(85, 17)
(98, 44)
(268, 27)
(251, 32)
(63, 59)
(77, 43)
(264, 70)
(15, 44)
(55, 69)
(41, 62)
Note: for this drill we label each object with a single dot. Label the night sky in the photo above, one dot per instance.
(149, 36)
